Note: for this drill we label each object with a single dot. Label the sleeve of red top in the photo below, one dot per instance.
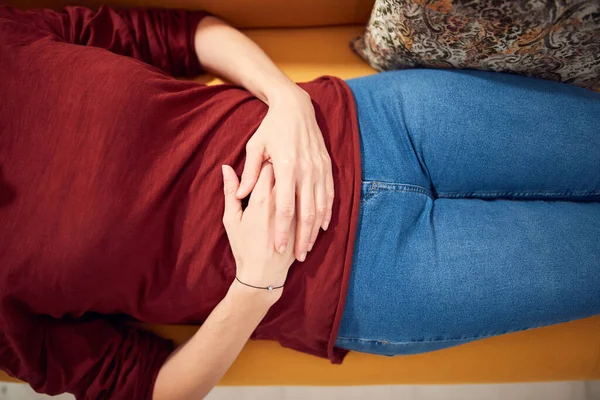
(162, 38)
(92, 360)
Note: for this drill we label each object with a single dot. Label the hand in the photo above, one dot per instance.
(289, 137)
(250, 232)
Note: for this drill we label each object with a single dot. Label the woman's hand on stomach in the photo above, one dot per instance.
(251, 233)
(289, 137)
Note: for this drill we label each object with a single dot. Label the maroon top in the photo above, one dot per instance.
(111, 199)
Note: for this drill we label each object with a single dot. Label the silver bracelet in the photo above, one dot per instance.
(269, 288)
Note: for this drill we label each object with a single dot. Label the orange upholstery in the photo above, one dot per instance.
(246, 13)
(561, 352)
(568, 351)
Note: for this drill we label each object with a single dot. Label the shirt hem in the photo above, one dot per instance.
(337, 355)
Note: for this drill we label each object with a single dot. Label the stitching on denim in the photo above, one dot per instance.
(404, 188)
(373, 191)
(379, 186)
(408, 341)
(387, 342)
(541, 193)
(411, 139)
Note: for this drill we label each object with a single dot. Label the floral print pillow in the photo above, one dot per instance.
(549, 39)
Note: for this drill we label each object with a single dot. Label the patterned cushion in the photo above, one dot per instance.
(550, 39)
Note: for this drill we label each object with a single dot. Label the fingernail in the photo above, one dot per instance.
(302, 257)
(310, 246)
(282, 248)
(239, 191)
(223, 169)
(326, 225)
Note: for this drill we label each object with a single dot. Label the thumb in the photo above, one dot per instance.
(252, 166)
(233, 206)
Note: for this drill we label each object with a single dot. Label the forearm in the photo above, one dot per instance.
(289, 136)
(197, 365)
(228, 53)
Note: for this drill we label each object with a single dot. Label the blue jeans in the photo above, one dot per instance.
(480, 209)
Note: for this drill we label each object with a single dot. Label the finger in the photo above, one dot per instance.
(306, 220)
(285, 204)
(264, 185)
(252, 166)
(329, 198)
(321, 210)
(233, 206)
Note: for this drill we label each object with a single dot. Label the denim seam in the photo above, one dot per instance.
(373, 191)
(387, 342)
(548, 193)
(418, 155)
(379, 186)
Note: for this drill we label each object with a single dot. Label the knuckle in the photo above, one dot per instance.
(318, 165)
(228, 190)
(260, 198)
(309, 217)
(330, 195)
(321, 210)
(325, 159)
(285, 211)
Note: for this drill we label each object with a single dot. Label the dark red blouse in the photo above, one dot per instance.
(111, 200)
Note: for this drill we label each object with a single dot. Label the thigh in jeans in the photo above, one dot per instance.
(430, 274)
(433, 272)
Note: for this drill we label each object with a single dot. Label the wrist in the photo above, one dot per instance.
(284, 92)
(253, 298)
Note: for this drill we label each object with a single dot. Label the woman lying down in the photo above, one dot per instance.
(394, 214)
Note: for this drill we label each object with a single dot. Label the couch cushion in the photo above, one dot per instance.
(569, 351)
(244, 13)
(557, 41)
(562, 352)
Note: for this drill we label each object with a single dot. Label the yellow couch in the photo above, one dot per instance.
(309, 38)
